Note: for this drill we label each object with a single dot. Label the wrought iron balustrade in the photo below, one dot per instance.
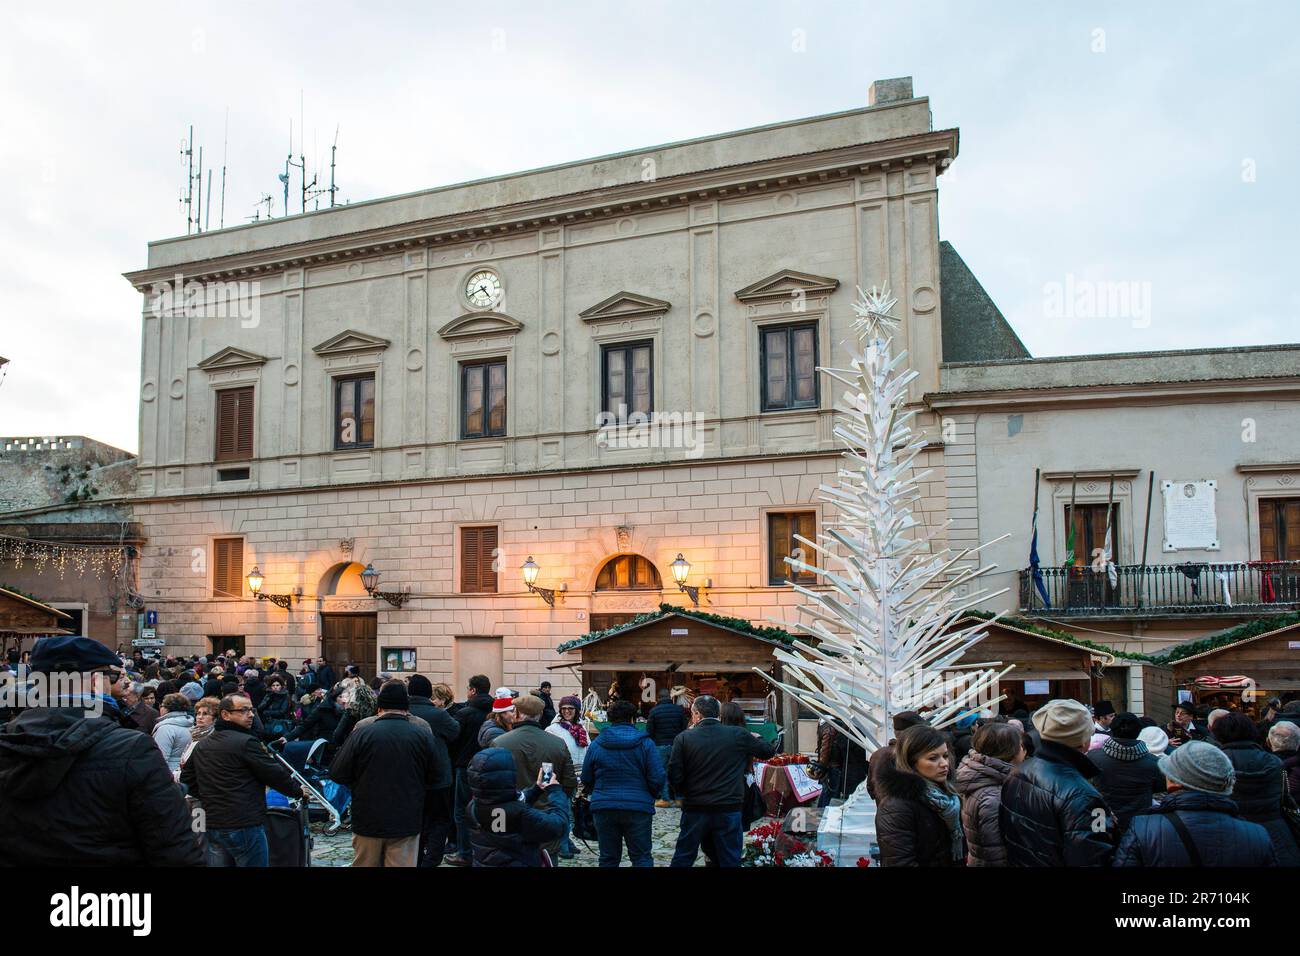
(1189, 588)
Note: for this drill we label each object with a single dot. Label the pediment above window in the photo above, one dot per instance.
(781, 285)
(351, 341)
(624, 305)
(231, 357)
(480, 323)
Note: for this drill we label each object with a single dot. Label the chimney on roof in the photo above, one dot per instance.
(889, 91)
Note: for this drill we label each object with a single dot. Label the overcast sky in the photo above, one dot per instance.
(1099, 143)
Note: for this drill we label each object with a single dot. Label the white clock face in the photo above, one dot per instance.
(483, 289)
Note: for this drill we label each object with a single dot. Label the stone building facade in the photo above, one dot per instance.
(437, 386)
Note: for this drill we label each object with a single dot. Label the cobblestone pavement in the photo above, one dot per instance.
(336, 849)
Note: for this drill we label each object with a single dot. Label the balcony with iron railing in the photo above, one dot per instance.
(1192, 588)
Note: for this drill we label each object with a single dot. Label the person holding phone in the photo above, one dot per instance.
(507, 829)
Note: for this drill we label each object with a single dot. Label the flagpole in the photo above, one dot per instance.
(1146, 540)
(1109, 556)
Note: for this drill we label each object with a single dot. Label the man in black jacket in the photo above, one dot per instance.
(548, 705)
(76, 788)
(1051, 815)
(665, 722)
(437, 804)
(1129, 774)
(470, 717)
(707, 768)
(390, 762)
(229, 771)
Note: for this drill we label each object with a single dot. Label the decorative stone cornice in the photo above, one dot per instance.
(1115, 396)
(480, 323)
(624, 305)
(1267, 467)
(781, 285)
(231, 357)
(1092, 474)
(725, 182)
(351, 341)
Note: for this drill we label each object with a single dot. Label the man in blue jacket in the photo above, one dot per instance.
(1197, 823)
(623, 772)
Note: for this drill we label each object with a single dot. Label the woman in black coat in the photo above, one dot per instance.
(918, 819)
(1261, 783)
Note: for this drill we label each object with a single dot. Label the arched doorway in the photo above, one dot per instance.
(347, 637)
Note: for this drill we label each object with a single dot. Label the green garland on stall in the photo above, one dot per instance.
(1235, 635)
(1024, 625)
(734, 623)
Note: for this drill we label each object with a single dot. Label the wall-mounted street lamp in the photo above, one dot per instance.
(370, 580)
(681, 569)
(255, 580)
(530, 569)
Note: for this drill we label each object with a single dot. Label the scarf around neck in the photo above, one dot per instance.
(1130, 750)
(576, 730)
(948, 806)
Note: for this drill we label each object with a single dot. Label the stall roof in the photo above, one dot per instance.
(1230, 639)
(768, 635)
(1096, 650)
(23, 598)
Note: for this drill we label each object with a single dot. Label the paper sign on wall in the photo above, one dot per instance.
(1037, 688)
(1190, 521)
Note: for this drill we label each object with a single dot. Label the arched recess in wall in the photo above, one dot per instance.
(628, 572)
(342, 580)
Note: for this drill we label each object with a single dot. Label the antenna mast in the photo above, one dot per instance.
(225, 149)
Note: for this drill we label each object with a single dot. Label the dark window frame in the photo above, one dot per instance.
(339, 382)
(788, 328)
(487, 430)
(628, 348)
(782, 575)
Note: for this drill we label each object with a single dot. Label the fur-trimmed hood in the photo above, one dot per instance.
(895, 784)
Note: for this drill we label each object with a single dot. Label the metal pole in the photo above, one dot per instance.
(1146, 540)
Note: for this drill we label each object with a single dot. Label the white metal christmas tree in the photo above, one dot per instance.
(883, 630)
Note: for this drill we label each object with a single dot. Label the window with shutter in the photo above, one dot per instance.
(354, 411)
(782, 526)
(483, 399)
(627, 378)
(228, 567)
(477, 554)
(789, 366)
(1279, 529)
(235, 424)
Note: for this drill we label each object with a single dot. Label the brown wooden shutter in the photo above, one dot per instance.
(235, 424)
(228, 567)
(1267, 530)
(477, 552)
(1291, 528)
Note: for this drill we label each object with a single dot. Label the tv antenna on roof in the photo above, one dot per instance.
(331, 190)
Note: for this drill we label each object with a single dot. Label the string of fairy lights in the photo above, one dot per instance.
(54, 556)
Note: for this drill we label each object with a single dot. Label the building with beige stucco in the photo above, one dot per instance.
(604, 365)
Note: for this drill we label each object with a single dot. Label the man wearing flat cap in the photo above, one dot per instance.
(77, 788)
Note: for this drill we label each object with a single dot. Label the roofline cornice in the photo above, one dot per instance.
(773, 175)
(1084, 396)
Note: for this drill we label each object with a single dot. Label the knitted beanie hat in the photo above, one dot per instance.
(393, 696)
(1155, 738)
(1065, 722)
(1197, 765)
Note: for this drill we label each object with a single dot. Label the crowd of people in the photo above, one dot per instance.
(1080, 786)
(113, 774)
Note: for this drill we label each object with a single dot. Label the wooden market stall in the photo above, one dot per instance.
(1047, 668)
(1265, 665)
(686, 653)
(23, 619)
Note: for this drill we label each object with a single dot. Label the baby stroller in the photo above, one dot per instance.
(288, 822)
(304, 757)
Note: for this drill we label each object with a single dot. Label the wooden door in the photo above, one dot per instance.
(350, 639)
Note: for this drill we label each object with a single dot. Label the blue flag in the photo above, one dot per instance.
(1039, 584)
